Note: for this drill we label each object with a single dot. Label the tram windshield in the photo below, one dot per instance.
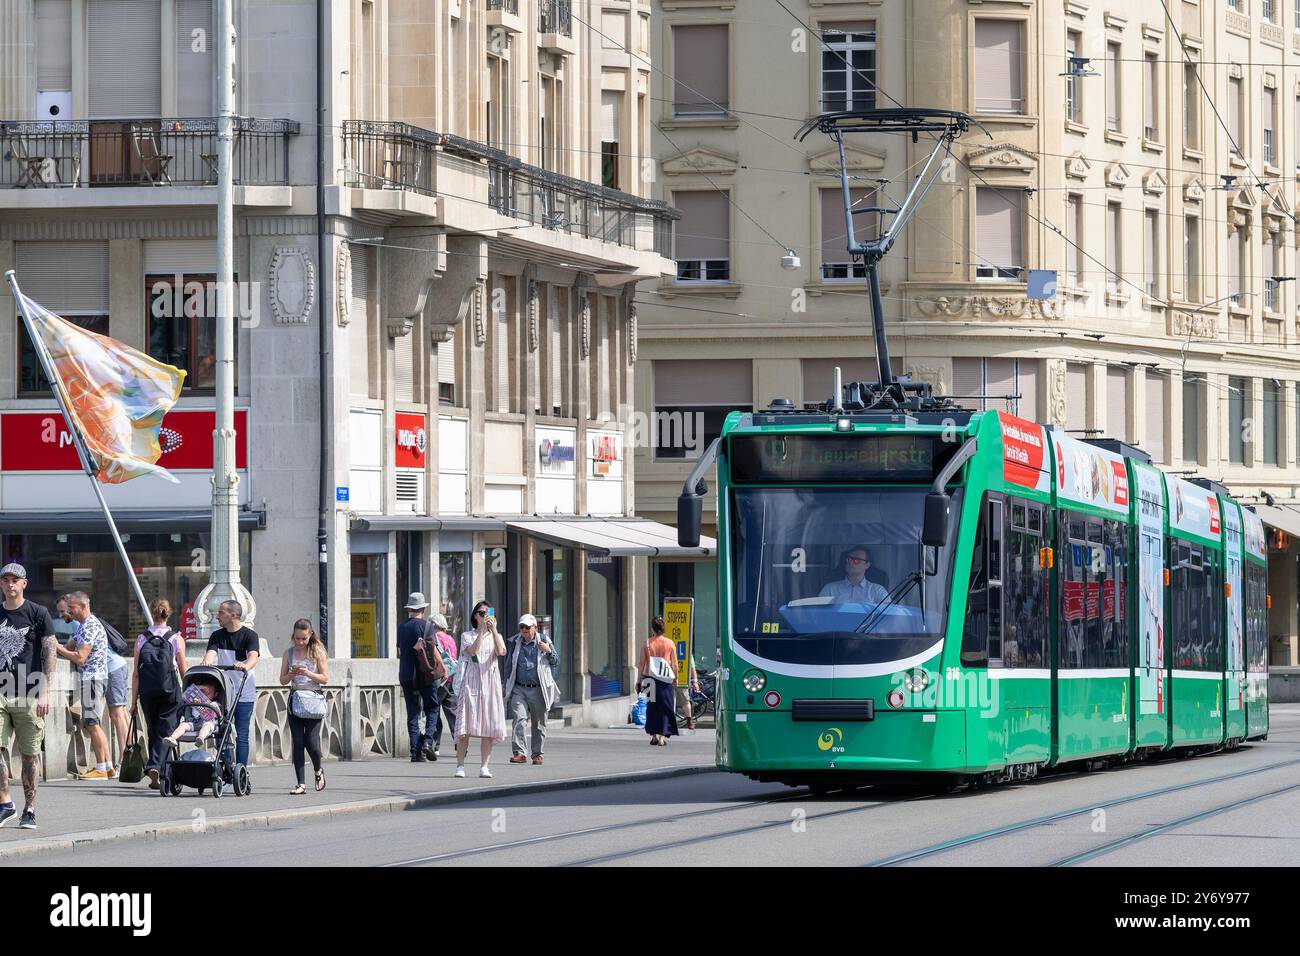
(845, 564)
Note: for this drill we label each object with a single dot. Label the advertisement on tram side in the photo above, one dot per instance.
(1151, 598)
(1193, 509)
(1233, 541)
(1090, 475)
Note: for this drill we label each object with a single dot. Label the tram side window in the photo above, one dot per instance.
(1073, 567)
(1026, 587)
(1256, 619)
(975, 630)
(1212, 624)
(1115, 649)
(1187, 599)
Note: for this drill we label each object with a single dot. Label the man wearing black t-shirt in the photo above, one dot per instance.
(237, 646)
(26, 665)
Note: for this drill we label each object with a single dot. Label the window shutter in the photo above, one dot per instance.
(447, 362)
(703, 231)
(1151, 224)
(559, 320)
(998, 227)
(701, 69)
(124, 47)
(835, 244)
(1027, 386)
(64, 277)
(999, 86)
(404, 369)
(1149, 93)
(359, 320)
(194, 70)
(1000, 379)
(611, 116)
(1155, 417)
(704, 382)
(1076, 397)
(501, 349)
(1114, 237)
(1270, 107)
(171, 256)
(54, 45)
(968, 382)
(1234, 110)
(1112, 85)
(1116, 403)
(1191, 421)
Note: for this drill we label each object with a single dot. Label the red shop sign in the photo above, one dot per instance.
(41, 441)
(412, 440)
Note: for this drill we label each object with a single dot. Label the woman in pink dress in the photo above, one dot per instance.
(480, 709)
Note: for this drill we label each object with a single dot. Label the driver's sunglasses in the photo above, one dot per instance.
(856, 560)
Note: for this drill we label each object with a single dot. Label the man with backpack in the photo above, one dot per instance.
(417, 687)
(159, 670)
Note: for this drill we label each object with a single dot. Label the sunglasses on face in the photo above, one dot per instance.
(856, 560)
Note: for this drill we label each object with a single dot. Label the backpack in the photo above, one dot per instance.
(116, 642)
(428, 661)
(155, 663)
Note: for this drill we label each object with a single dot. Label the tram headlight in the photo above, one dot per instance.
(916, 680)
(754, 681)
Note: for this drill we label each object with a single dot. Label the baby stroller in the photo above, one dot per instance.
(212, 763)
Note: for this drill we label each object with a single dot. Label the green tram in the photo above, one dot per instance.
(971, 594)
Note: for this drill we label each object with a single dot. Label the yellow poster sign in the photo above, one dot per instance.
(679, 621)
(365, 630)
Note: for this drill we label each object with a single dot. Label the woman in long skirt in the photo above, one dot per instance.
(480, 710)
(658, 676)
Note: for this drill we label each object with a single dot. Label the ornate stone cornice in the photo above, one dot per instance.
(989, 306)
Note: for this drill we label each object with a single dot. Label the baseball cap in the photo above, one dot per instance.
(527, 620)
(438, 620)
(16, 569)
(416, 601)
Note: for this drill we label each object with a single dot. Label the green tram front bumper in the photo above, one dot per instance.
(770, 745)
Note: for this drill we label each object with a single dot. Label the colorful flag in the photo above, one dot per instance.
(115, 396)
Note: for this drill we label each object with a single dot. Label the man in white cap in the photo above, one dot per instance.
(530, 688)
(419, 699)
(27, 658)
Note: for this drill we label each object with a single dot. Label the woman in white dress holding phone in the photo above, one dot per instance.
(480, 708)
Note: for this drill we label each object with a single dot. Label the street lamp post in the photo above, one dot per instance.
(223, 560)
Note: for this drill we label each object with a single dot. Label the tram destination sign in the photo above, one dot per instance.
(836, 459)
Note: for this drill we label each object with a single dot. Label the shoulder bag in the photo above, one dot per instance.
(307, 704)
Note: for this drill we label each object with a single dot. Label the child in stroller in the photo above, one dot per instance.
(207, 713)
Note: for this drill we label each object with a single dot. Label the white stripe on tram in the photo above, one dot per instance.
(828, 671)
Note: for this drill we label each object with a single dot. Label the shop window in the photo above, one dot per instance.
(553, 606)
(605, 632)
(368, 613)
(453, 587)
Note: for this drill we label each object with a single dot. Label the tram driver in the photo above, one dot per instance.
(856, 587)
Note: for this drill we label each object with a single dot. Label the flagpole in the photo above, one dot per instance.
(83, 453)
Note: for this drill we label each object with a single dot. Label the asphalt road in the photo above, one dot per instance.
(1229, 809)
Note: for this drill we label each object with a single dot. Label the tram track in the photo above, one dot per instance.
(595, 831)
(1163, 828)
(947, 846)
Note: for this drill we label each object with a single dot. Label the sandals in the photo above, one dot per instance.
(298, 791)
(320, 780)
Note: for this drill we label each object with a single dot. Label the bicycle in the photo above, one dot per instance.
(703, 700)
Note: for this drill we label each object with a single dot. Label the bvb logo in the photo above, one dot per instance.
(831, 740)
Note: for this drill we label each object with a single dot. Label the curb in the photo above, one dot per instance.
(73, 841)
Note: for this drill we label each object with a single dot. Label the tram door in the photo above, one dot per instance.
(1234, 664)
(1151, 724)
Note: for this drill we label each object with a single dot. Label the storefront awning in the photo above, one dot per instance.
(414, 522)
(143, 522)
(1284, 519)
(616, 537)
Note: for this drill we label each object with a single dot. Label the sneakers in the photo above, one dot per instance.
(417, 757)
(484, 772)
(28, 821)
(460, 772)
(7, 813)
(429, 753)
(153, 778)
(519, 758)
(94, 775)
(112, 773)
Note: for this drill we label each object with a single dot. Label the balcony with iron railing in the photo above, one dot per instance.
(506, 6)
(397, 156)
(555, 16)
(140, 152)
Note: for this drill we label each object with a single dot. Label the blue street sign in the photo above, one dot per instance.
(341, 493)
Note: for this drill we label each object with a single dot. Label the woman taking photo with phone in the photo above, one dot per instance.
(305, 667)
(480, 709)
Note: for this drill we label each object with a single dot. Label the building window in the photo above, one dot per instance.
(1192, 257)
(692, 398)
(69, 279)
(1117, 402)
(999, 66)
(1113, 93)
(611, 126)
(1114, 246)
(1150, 98)
(1073, 88)
(848, 67)
(1151, 252)
(604, 616)
(837, 264)
(1272, 287)
(1191, 107)
(182, 325)
(1154, 443)
(1269, 13)
(1272, 421)
(1002, 384)
(1238, 268)
(1270, 124)
(703, 236)
(32, 380)
(1074, 240)
(1238, 403)
(999, 233)
(1192, 418)
(701, 71)
(1076, 398)
(1237, 145)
